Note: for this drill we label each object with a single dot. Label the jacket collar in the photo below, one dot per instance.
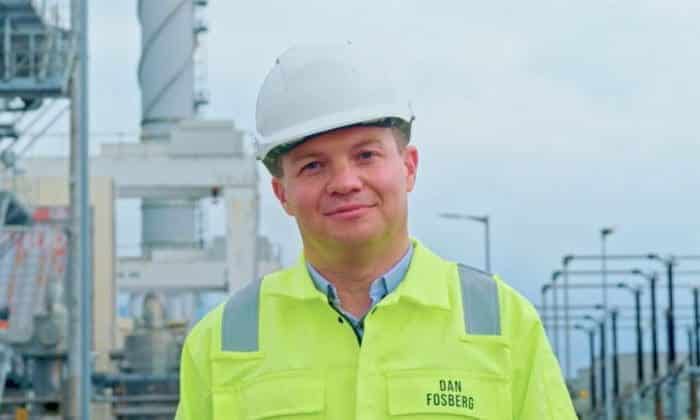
(425, 281)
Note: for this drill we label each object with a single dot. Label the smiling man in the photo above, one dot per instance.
(369, 323)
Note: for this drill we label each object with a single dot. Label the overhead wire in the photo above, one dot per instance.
(39, 115)
(41, 132)
(35, 136)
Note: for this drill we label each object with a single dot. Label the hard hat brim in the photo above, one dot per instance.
(298, 132)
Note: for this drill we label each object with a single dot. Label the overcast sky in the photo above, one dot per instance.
(555, 118)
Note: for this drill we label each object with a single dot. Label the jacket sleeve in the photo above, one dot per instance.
(539, 390)
(195, 380)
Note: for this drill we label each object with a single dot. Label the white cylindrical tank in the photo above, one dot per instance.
(169, 224)
(166, 68)
(166, 77)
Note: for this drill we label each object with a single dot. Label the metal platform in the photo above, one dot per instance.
(37, 52)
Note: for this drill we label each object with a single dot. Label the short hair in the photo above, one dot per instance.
(400, 129)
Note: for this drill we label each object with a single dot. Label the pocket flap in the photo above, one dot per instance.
(454, 392)
(282, 394)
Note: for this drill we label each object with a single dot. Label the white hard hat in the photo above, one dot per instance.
(313, 89)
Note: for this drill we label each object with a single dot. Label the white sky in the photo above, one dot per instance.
(556, 118)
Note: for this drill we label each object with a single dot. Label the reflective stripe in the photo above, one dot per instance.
(239, 325)
(479, 302)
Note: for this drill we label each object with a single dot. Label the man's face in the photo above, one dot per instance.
(348, 186)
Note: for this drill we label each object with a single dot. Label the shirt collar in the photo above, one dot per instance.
(379, 288)
(425, 282)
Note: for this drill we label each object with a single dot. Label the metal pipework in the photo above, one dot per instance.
(668, 263)
(565, 273)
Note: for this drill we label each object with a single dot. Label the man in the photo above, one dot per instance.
(369, 324)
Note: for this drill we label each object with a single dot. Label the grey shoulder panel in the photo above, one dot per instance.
(239, 324)
(482, 313)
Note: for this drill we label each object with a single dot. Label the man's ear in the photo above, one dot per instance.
(278, 189)
(410, 161)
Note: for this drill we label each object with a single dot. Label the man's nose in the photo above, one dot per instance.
(344, 180)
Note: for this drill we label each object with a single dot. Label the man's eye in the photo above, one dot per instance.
(368, 154)
(311, 166)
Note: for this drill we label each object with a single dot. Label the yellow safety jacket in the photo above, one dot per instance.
(450, 342)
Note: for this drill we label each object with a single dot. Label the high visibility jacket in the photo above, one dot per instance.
(450, 342)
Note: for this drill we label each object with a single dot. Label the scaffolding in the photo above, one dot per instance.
(37, 57)
(37, 51)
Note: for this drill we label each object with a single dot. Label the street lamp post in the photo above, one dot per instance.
(604, 233)
(565, 274)
(669, 265)
(603, 370)
(696, 350)
(487, 232)
(615, 365)
(696, 323)
(591, 349)
(591, 372)
(640, 339)
(636, 291)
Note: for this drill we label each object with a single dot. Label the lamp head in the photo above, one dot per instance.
(607, 231)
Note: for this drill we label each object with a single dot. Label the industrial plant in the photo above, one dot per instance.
(181, 163)
(90, 332)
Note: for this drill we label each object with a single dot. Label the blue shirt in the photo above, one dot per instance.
(377, 290)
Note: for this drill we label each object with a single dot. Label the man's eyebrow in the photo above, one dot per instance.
(303, 156)
(368, 142)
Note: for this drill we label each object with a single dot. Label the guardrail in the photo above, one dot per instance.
(53, 12)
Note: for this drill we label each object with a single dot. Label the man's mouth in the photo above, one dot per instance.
(348, 209)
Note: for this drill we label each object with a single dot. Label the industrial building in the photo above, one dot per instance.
(181, 163)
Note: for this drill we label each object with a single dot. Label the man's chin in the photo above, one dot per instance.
(356, 236)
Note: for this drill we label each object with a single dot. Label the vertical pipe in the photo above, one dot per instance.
(544, 308)
(555, 312)
(591, 347)
(693, 397)
(487, 225)
(696, 325)
(8, 48)
(79, 293)
(654, 330)
(86, 257)
(603, 377)
(32, 55)
(658, 403)
(640, 341)
(671, 323)
(673, 391)
(691, 354)
(73, 289)
(567, 332)
(604, 267)
(615, 366)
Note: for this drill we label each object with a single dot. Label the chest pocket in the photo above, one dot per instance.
(296, 395)
(422, 394)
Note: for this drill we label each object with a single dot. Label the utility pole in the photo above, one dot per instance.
(79, 290)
